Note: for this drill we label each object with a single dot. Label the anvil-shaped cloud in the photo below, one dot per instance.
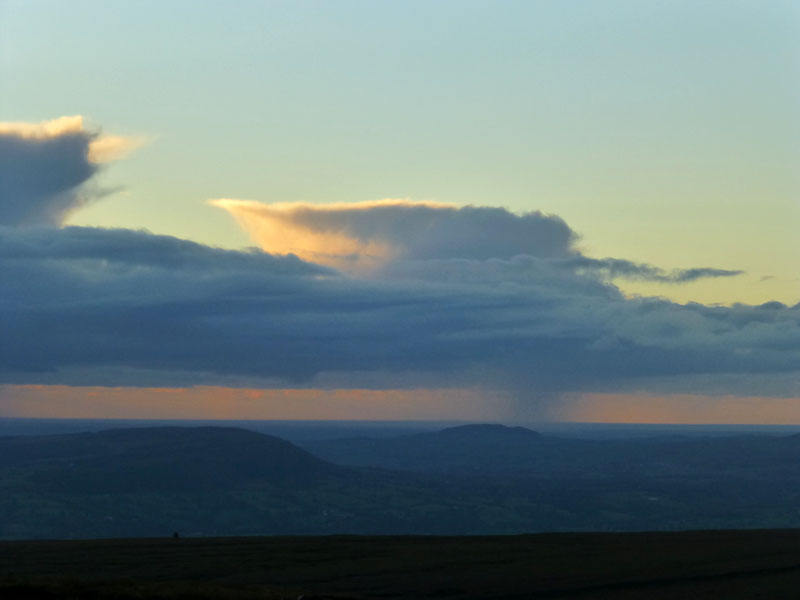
(392, 235)
(471, 296)
(390, 229)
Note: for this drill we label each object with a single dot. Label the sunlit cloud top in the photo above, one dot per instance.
(45, 129)
(362, 236)
(101, 148)
(387, 236)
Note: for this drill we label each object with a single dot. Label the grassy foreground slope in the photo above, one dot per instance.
(719, 564)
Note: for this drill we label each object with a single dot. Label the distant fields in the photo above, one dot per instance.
(704, 564)
(467, 480)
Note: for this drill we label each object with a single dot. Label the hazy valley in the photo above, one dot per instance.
(475, 479)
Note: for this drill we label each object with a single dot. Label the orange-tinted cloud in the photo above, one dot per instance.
(101, 148)
(44, 129)
(290, 228)
(360, 236)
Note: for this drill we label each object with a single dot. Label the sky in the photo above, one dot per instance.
(508, 211)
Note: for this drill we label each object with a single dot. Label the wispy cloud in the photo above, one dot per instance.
(614, 268)
(108, 148)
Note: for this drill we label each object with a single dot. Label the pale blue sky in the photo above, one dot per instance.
(664, 132)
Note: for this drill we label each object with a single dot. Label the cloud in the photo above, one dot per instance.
(617, 268)
(99, 249)
(445, 297)
(359, 235)
(43, 166)
(85, 299)
(368, 237)
(44, 130)
(108, 148)
(118, 307)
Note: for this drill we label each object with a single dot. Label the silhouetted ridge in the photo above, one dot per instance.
(488, 449)
(161, 458)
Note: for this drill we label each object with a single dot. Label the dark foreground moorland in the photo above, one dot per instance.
(704, 564)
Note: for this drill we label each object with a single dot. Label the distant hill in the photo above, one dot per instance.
(484, 431)
(499, 452)
(479, 449)
(160, 459)
(219, 481)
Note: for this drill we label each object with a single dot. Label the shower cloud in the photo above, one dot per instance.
(382, 295)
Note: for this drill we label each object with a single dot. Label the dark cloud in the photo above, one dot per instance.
(434, 232)
(575, 274)
(41, 171)
(98, 248)
(96, 306)
(616, 268)
(87, 297)
(685, 275)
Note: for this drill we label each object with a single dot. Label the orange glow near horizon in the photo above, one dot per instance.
(208, 402)
(683, 409)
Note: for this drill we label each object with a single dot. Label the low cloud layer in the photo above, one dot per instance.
(118, 307)
(444, 297)
(44, 165)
